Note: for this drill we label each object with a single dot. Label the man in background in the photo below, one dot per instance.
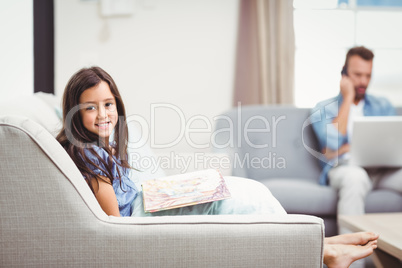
(333, 125)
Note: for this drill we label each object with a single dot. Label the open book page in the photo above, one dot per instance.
(184, 190)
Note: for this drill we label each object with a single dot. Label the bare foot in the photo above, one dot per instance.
(360, 238)
(342, 256)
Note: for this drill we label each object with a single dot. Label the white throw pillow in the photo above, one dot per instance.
(34, 108)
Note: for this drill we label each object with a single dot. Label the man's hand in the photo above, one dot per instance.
(330, 154)
(348, 94)
(347, 88)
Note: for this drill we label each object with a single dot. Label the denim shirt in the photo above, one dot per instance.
(124, 188)
(326, 111)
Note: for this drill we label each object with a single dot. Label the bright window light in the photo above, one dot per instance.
(315, 4)
(323, 36)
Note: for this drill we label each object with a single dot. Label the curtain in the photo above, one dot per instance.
(265, 53)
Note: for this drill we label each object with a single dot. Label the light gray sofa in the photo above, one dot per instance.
(293, 173)
(50, 218)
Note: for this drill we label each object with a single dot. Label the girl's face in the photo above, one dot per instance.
(98, 110)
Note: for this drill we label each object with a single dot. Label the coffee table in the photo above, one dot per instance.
(389, 226)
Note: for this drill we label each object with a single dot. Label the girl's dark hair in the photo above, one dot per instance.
(74, 137)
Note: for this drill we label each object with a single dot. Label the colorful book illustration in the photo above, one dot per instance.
(184, 190)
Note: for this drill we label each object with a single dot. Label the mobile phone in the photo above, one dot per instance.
(344, 70)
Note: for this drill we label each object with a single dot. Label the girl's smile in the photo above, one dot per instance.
(98, 110)
(103, 125)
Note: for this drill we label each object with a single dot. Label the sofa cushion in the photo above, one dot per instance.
(298, 196)
(383, 201)
(141, 157)
(35, 108)
(53, 101)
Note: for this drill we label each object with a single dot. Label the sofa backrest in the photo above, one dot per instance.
(269, 142)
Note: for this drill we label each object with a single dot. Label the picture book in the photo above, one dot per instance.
(184, 190)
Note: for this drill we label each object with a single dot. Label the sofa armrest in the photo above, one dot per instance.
(217, 241)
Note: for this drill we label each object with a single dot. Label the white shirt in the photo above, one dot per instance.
(355, 111)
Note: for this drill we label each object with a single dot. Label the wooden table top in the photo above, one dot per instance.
(387, 225)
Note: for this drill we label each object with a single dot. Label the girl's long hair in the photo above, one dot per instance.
(74, 137)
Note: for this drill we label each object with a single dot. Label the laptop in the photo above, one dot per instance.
(377, 141)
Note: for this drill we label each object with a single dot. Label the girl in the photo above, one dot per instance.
(92, 106)
(93, 113)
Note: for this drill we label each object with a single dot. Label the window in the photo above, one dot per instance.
(326, 29)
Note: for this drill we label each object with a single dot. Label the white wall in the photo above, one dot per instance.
(16, 48)
(180, 52)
